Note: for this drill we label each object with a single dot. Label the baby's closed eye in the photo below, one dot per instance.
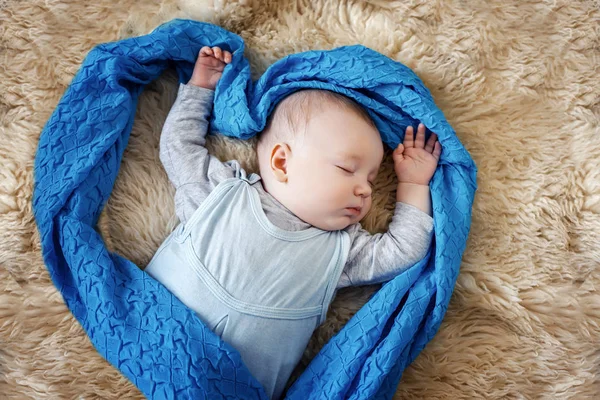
(345, 169)
(351, 171)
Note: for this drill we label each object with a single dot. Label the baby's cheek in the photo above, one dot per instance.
(367, 207)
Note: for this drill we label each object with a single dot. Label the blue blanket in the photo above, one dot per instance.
(132, 320)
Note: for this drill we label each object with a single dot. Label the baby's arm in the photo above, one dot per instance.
(380, 257)
(191, 169)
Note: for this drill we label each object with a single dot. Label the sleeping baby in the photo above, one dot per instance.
(259, 258)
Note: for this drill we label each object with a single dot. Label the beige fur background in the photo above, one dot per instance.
(518, 80)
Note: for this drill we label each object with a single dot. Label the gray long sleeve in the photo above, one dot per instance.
(380, 257)
(195, 173)
(191, 169)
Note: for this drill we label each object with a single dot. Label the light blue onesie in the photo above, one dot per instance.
(255, 273)
(262, 289)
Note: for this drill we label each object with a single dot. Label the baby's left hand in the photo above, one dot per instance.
(415, 161)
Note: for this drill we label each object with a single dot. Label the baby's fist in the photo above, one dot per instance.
(209, 67)
(414, 160)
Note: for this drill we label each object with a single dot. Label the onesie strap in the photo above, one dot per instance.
(251, 179)
(241, 173)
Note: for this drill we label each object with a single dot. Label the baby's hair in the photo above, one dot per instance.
(291, 115)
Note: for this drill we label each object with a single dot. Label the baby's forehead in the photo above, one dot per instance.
(343, 149)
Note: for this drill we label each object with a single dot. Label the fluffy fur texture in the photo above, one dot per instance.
(518, 80)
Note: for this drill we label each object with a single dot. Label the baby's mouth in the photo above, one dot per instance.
(354, 210)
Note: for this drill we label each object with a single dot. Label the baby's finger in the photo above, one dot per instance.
(207, 51)
(399, 153)
(430, 143)
(227, 57)
(420, 139)
(437, 150)
(218, 53)
(409, 140)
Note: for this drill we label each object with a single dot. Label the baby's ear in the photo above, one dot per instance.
(279, 158)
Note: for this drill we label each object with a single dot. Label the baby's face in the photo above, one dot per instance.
(332, 169)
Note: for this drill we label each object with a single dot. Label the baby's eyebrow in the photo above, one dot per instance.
(349, 156)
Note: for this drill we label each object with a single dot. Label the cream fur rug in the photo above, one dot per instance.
(518, 80)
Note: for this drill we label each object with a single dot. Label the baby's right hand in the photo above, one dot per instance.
(209, 67)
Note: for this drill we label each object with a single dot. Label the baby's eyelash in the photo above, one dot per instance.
(344, 169)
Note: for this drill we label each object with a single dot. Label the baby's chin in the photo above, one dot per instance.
(335, 224)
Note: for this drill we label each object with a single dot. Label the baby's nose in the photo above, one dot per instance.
(363, 190)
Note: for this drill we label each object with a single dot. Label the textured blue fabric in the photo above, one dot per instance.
(133, 321)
